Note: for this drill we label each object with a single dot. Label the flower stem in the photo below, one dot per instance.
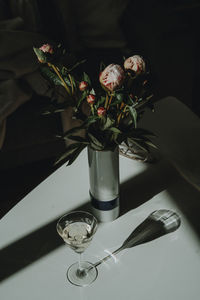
(106, 103)
(70, 78)
(139, 105)
(123, 113)
(60, 77)
(120, 115)
(110, 101)
(92, 109)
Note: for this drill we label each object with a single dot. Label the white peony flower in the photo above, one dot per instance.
(135, 63)
(112, 77)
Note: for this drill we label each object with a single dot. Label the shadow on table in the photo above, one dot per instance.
(143, 187)
(187, 199)
(41, 242)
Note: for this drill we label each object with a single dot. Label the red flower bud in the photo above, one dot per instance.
(47, 48)
(101, 111)
(91, 99)
(83, 86)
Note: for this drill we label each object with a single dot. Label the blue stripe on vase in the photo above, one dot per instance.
(104, 205)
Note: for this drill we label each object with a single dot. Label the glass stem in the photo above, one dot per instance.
(81, 272)
(79, 262)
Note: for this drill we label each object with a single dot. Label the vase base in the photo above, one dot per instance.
(106, 215)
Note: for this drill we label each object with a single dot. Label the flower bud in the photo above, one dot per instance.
(46, 48)
(112, 77)
(42, 51)
(144, 82)
(135, 63)
(101, 111)
(83, 86)
(91, 99)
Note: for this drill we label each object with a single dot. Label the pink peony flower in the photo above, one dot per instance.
(112, 77)
(83, 86)
(47, 48)
(91, 99)
(135, 63)
(101, 111)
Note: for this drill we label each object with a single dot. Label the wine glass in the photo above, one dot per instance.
(77, 230)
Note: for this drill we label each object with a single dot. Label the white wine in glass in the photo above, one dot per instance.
(77, 230)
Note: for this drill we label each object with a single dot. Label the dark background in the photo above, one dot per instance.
(165, 32)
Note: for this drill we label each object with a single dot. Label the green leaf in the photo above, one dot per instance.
(116, 101)
(114, 129)
(108, 123)
(90, 120)
(95, 147)
(115, 136)
(75, 154)
(129, 101)
(49, 112)
(143, 132)
(133, 114)
(100, 101)
(86, 78)
(66, 156)
(83, 96)
(47, 73)
(64, 71)
(149, 143)
(78, 139)
(95, 141)
(73, 81)
(77, 64)
(67, 81)
(119, 96)
(73, 130)
(40, 55)
(92, 91)
(138, 144)
(121, 138)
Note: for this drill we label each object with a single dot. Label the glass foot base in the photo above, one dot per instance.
(83, 277)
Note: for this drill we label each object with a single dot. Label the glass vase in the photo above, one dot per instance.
(104, 183)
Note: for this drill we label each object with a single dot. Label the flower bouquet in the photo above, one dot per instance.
(109, 110)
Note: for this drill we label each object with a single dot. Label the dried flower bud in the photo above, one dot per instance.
(144, 82)
(46, 48)
(101, 111)
(83, 86)
(91, 99)
(135, 63)
(112, 77)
